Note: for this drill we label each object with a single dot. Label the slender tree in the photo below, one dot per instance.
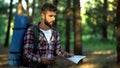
(104, 26)
(8, 28)
(118, 31)
(77, 27)
(55, 2)
(33, 8)
(67, 46)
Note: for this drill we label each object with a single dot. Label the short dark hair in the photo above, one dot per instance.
(48, 7)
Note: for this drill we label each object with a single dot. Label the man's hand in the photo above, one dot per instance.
(68, 55)
(64, 53)
(47, 61)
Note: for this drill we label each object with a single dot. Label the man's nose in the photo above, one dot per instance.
(53, 18)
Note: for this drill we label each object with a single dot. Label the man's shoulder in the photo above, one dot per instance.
(32, 26)
(55, 29)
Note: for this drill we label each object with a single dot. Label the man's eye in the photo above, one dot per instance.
(51, 15)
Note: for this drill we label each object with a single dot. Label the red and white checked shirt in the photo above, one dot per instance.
(45, 49)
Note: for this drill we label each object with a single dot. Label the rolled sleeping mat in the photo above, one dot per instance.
(20, 25)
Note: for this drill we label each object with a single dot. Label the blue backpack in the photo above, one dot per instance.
(16, 48)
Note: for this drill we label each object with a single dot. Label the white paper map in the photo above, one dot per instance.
(76, 58)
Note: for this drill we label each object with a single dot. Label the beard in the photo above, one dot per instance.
(47, 23)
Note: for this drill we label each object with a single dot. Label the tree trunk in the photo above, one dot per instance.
(77, 28)
(8, 28)
(104, 26)
(67, 46)
(33, 8)
(118, 31)
(55, 2)
(104, 33)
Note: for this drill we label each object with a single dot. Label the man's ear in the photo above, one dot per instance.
(42, 15)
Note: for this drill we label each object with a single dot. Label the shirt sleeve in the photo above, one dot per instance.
(28, 47)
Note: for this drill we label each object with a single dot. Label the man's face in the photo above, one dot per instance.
(49, 18)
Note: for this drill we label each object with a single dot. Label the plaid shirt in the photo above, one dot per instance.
(45, 49)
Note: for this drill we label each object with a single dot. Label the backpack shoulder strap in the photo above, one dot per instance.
(36, 37)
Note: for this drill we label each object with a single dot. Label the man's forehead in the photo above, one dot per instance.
(50, 12)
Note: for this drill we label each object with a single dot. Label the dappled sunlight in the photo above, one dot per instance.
(3, 63)
(3, 59)
(88, 65)
(112, 56)
(98, 59)
(94, 59)
(102, 52)
(4, 56)
(89, 59)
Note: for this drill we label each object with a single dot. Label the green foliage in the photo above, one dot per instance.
(3, 7)
(95, 44)
(3, 25)
(3, 20)
(94, 18)
(90, 28)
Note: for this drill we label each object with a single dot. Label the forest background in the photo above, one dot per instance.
(95, 31)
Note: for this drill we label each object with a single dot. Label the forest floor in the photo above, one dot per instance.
(94, 59)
